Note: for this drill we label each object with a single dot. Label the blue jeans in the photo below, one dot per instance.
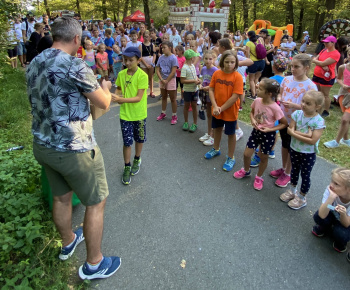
(330, 223)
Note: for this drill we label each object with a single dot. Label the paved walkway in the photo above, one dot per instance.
(183, 207)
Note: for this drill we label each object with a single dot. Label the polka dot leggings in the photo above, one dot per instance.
(302, 163)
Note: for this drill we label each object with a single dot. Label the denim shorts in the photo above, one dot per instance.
(266, 140)
(257, 66)
(191, 96)
(84, 173)
(133, 130)
(21, 49)
(230, 126)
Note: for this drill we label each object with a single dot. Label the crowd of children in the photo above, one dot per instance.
(289, 105)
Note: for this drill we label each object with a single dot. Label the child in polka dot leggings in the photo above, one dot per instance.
(305, 129)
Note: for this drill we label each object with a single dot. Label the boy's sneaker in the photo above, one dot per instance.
(297, 203)
(272, 154)
(345, 142)
(239, 134)
(241, 173)
(283, 180)
(193, 128)
(173, 120)
(339, 248)
(205, 137)
(255, 161)
(287, 196)
(135, 168)
(258, 183)
(108, 266)
(67, 252)
(331, 144)
(182, 102)
(229, 163)
(126, 179)
(276, 173)
(185, 126)
(212, 153)
(209, 142)
(161, 117)
(317, 231)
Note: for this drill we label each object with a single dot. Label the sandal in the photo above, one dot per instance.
(23, 65)
(152, 95)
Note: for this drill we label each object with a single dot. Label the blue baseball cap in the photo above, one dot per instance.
(132, 51)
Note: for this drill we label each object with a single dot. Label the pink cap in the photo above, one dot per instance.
(330, 39)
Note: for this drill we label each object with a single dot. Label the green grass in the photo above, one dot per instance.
(29, 242)
(340, 155)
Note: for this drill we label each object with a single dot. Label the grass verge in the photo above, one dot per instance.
(29, 243)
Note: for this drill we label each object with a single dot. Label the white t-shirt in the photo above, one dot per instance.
(288, 45)
(242, 69)
(131, 44)
(175, 39)
(30, 29)
(336, 202)
(119, 41)
(18, 31)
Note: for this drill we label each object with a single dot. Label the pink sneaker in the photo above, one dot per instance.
(173, 120)
(258, 183)
(241, 173)
(161, 117)
(276, 173)
(283, 180)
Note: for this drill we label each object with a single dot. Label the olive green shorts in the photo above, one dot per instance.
(83, 173)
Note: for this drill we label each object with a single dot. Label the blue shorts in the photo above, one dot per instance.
(191, 96)
(133, 130)
(322, 82)
(230, 126)
(266, 140)
(257, 66)
(21, 49)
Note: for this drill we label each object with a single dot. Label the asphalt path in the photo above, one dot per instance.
(184, 223)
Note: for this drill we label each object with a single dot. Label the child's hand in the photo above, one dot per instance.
(255, 124)
(290, 131)
(115, 61)
(332, 194)
(287, 104)
(309, 132)
(341, 209)
(216, 111)
(165, 82)
(265, 130)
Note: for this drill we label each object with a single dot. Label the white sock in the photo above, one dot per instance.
(164, 112)
(75, 236)
(302, 197)
(95, 267)
(293, 189)
(174, 114)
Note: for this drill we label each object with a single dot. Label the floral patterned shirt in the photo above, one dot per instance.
(56, 82)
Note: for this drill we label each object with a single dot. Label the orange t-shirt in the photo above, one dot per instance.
(225, 85)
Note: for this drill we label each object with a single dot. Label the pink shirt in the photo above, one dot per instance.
(181, 60)
(266, 115)
(103, 59)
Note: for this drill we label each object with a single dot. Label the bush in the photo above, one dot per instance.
(29, 244)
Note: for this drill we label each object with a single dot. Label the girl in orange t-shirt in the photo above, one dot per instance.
(225, 87)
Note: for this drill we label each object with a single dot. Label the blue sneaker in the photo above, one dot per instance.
(212, 153)
(255, 161)
(107, 268)
(66, 252)
(272, 154)
(229, 163)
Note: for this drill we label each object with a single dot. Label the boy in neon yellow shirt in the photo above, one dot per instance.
(133, 83)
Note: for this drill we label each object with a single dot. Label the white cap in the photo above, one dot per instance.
(305, 32)
(216, 30)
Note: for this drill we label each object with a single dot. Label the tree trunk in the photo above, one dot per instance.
(234, 17)
(146, 9)
(118, 10)
(290, 15)
(316, 27)
(114, 16)
(132, 6)
(126, 7)
(245, 13)
(78, 6)
(104, 9)
(47, 9)
(230, 18)
(301, 19)
(330, 5)
(254, 10)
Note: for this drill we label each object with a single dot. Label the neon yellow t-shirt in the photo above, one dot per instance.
(252, 47)
(130, 86)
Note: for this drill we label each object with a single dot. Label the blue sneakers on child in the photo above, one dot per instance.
(229, 163)
(212, 153)
(107, 267)
(68, 251)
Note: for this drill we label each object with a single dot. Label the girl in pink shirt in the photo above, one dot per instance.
(102, 61)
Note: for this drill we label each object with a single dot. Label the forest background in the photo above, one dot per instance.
(307, 15)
